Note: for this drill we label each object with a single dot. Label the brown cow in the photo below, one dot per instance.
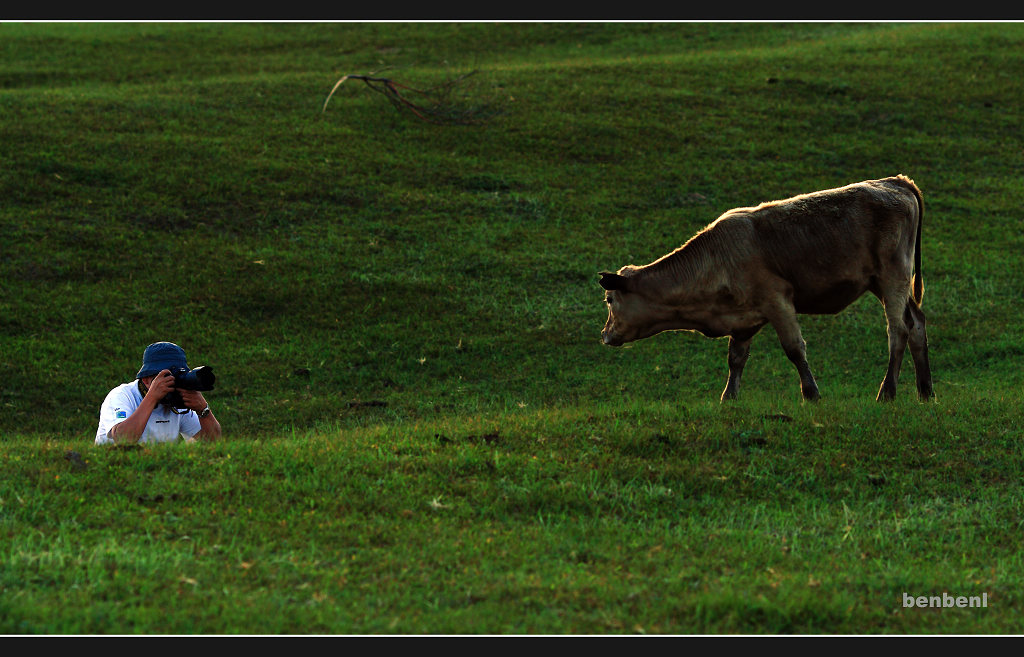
(811, 254)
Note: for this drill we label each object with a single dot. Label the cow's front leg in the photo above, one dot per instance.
(739, 350)
(796, 350)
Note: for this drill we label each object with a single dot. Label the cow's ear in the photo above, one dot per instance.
(610, 281)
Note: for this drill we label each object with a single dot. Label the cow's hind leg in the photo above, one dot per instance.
(918, 338)
(895, 310)
(739, 350)
(796, 350)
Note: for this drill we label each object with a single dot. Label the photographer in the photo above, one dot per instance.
(161, 405)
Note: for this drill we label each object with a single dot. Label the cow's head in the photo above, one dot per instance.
(629, 312)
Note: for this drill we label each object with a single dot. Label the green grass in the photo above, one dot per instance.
(423, 433)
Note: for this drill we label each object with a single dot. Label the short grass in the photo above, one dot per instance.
(423, 432)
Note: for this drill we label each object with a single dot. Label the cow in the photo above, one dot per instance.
(814, 253)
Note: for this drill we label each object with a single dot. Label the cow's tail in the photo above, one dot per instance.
(918, 280)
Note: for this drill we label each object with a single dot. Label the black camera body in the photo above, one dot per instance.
(200, 378)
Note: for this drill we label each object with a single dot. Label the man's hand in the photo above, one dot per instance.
(194, 400)
(161, 384)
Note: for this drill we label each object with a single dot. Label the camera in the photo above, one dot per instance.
(200, 378)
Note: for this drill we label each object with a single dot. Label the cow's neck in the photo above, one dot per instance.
(681, 276)
(688, 290)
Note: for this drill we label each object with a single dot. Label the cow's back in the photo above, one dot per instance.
(832, 246)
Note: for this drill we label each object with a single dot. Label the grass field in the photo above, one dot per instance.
(423, 432)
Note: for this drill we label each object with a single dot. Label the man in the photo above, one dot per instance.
(138, 412)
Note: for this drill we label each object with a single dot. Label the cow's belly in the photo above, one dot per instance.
(828, 300)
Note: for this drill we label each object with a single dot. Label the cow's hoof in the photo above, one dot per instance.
(811, 395)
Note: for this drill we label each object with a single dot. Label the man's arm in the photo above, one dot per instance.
(131, 428)
(209, 426)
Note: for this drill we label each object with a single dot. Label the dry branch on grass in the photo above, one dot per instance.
(438, 104)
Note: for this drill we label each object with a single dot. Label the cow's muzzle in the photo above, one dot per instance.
(611, 339)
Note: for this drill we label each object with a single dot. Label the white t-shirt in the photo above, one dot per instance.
(164, 424)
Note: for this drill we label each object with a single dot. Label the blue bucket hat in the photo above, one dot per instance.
(161, 356)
